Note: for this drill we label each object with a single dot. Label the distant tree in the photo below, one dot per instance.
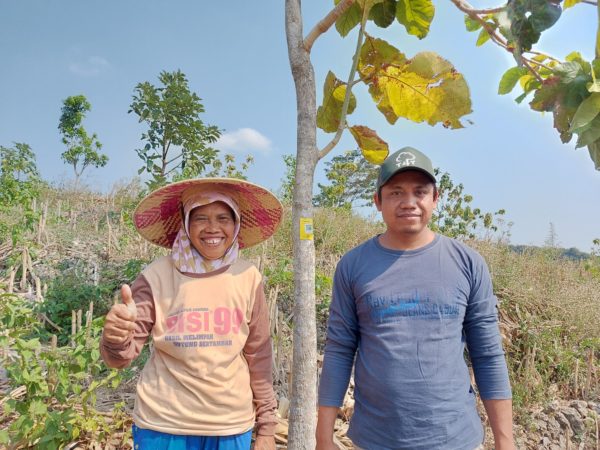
(551, 240)
(82, 149)
(454, 216)
(228, 168)
(353, 180)
(177, 141)
(19, 185)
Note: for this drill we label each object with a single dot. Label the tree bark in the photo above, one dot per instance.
(304, 365)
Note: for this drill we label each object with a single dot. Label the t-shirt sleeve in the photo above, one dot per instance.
(259, 355)
(483, 337)
(342, 341)
(121, 355)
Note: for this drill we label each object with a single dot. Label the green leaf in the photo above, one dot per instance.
(570, 3)
(472, 25)
(347, 21)
(521, 97)
(373, 148)
(593, 87)
(37, 408)
(384, 13)
(589, 134)
(482, 38)
(588, 110)
(416, 16)
(510, 79)
(329, 113)
(594, 149)
(544, 14)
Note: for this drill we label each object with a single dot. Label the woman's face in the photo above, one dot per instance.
(211, 229)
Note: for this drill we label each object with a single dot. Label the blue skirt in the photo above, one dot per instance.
(155, 440)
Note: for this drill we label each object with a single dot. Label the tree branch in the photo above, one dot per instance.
(326, 23)
(342, 125)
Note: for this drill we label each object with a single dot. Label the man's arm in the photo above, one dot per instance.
(501, 420)
(340, 348)
(325, 428)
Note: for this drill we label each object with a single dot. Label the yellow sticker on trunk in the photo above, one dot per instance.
(306, 228)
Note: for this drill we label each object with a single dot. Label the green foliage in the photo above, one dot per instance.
(19, 185)
(286, 191)
(177, 141)
(569, 89)
(528, 18)
(71, 292)
(61, 385)
(82, 149)
(593, 264)
(352, 180)
(229, 169)
(416, 16)
(454, 216)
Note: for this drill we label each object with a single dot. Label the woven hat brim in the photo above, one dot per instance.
(158, 216)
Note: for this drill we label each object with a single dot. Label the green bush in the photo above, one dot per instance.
(69, 293)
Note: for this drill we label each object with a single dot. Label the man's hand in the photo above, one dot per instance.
(325, 428)
(120, 320)
(264, 442)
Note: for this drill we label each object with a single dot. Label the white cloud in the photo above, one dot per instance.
(244, 140)
(92, 66)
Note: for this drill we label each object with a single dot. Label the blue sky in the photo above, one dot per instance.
(235, 57)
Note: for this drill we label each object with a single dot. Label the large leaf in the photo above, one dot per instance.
(349, 19)
(376, 54)
(510, 79)
(594, 149)
(587, 111)
(383, 13)
(426, 88)
(373, 148)
(589, 134)
(416, 16)
(544, 14)
(329, 113)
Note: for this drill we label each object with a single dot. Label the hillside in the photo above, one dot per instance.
(83, 247)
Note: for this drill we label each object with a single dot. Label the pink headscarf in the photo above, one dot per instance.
(185, 257)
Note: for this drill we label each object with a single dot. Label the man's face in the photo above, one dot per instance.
(407, 202)
(211, 229)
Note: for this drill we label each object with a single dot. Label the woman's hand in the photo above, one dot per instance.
(264, 442)
(120, 320)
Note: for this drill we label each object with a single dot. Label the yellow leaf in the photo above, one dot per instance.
(426, 89)
(373, 148)
(330, 112)
(375, 54)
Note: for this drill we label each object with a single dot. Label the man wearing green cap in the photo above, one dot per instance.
(404, 305)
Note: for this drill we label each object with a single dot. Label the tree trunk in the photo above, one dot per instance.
(304, 366)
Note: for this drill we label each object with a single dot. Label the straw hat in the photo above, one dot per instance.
(158, 216)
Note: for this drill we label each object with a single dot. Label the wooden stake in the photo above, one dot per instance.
(24, 270)
(590, 369)
(79, 319)
(576, 377)
(73, 327)
(11, 279)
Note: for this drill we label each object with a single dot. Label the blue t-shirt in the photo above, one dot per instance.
(406, 315)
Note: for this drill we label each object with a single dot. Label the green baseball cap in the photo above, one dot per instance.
(407, 158)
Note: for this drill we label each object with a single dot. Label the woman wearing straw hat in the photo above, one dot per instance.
(208, 381)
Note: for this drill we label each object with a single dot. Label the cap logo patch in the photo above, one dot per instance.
(405, 159)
